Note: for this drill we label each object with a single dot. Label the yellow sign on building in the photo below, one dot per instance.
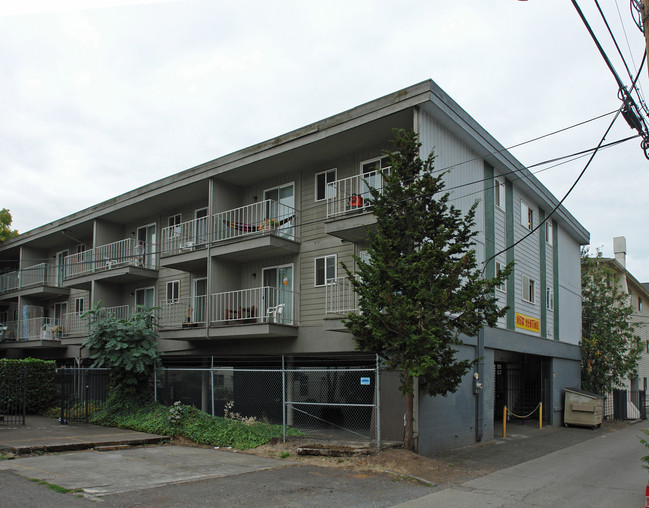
(528, 323)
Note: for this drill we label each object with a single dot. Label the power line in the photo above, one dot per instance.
(601, 142)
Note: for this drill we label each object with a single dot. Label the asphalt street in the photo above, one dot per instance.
(602, 470)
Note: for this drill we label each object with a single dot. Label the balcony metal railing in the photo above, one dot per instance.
(41, 274)
(340, 296)
(9, 282)
(256, 305)
(352, 194)
(74, 325)
(265, 217)
(127, 252)
(38, 275)
(40, 328)
(11, 332)
(187, 312)
(185, 237)
(121, 312)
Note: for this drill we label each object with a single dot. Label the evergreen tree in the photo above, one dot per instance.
(421, 288)
(610, 350)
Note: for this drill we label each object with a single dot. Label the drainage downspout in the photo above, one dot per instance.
(478, 384)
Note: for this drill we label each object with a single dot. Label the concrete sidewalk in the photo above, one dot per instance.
(41, 434)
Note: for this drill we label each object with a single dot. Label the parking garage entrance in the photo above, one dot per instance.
(521, 382)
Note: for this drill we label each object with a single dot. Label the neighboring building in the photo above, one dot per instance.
(242, 254)
(638, 299)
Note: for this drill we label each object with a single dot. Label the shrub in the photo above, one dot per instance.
(41, 382)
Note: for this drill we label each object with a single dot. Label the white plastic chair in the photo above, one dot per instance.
(275, 312)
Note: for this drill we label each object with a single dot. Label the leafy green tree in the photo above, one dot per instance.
(421, 288)
(610, 350)
(128, 347)
(5, 225)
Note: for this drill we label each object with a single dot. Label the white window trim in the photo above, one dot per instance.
(169, 219)
(141, 290)
(499, 268)
(374, 159)
(526, 221)
(315, 269)
(327, 193)
(549, 232)
(170, 284)
(528, 283)
(76, 304)
(499, 186)
(549, 298)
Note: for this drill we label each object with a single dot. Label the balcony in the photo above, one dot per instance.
(340, 300)
(182, 246)
(256, 312)
(41, 280)
(124, 261)
(188, 313)
(264, 229)
(348, 204)
(39, 332)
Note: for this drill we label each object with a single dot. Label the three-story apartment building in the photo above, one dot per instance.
(242, 257)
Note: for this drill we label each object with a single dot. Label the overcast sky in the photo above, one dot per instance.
(97, 102)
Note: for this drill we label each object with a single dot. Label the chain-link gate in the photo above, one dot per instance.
(13, 397)
(82, 391)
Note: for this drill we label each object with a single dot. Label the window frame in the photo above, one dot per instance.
(528, 287)
(549, 298)
(324, 268)
(325, 194)
(175, 288)
(499, 193)
(174, 220)
(549, 228)
(499, 267)
(527, 211)
(78, 305)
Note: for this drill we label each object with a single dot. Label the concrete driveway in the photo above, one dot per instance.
(113, 472)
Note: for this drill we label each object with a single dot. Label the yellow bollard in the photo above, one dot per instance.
(540, 415)
(505, 421)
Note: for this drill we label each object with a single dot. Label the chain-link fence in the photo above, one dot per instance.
(326, 402)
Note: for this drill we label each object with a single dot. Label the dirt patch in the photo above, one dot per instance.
(394, 461)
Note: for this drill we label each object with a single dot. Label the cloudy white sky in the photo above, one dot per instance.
(98, 101)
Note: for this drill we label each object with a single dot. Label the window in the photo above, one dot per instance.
(639, 304)
(78, 305)
(548, 232)
(325, 269)
(549, 298)
(499, 193)
(647, 346)
(499, 268)
(173, 291)
(145, 297)
(322, 189)
(527, 216)
(174, 220)
(528, 289)
(81, 248)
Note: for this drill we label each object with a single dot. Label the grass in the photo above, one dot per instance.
(190, 423)
(54, 487)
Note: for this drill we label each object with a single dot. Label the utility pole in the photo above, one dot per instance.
(644, 10)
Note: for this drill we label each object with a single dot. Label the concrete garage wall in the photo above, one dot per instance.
(564, 373)
(449, 422)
